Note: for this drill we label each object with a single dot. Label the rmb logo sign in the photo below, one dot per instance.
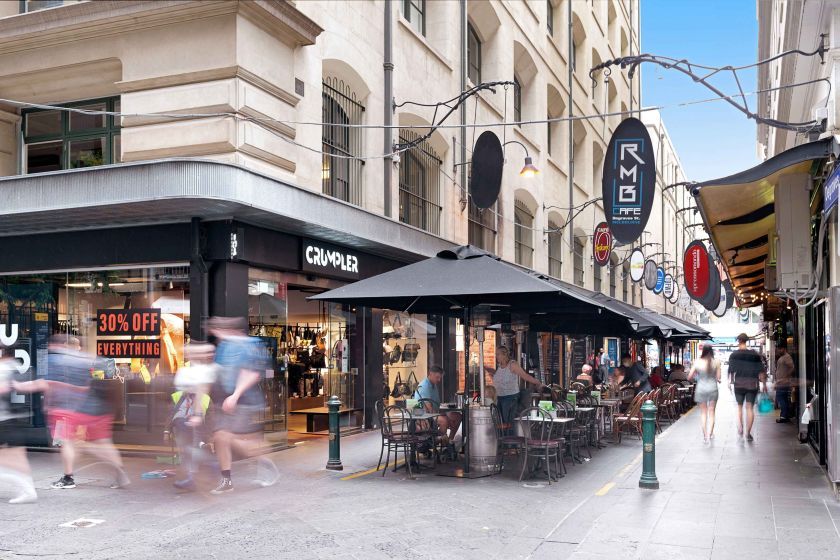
(628, 180)
(602, 244)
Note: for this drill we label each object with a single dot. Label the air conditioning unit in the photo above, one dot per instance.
(771, 281)
(793, 219)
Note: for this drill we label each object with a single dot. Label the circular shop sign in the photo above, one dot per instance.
(668, 287)
(650, 274)
(696, 270)
(602, 244)
(637, 265)
(721, 309)
(660, 281)
(711, 299)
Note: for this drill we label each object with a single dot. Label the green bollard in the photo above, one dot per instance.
(648, 479)
(334, 463)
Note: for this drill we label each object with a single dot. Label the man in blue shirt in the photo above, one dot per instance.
(429, 388)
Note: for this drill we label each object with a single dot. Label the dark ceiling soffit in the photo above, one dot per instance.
(812, 150)
(754, 244)
(753, 274)
(749, 262)
(754, 216)
(754, 283)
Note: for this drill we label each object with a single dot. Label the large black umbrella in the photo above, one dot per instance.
(459, 280)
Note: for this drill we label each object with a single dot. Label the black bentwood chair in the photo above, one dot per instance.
(536, 426)
(397, 436)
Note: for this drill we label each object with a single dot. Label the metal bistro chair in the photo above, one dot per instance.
(506, 441)
(428, 431)
(396, 436)
(592, 422)
(632, 418)
(573, 434)
(537, 426)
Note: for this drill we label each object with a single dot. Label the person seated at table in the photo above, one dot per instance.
(585, 375)
(655, 378)
(678, 373)
(429, 389)
(506, 381)
(636, 376)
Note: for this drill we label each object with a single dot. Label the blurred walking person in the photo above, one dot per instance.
(783, 382)
(191, 402)
(237, 399)
(14, 467)
(78, 408)
(746, 370)
(707, 371)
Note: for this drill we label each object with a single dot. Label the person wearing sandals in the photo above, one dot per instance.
(707, 371)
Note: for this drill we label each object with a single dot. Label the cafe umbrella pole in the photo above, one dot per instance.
(465, 416)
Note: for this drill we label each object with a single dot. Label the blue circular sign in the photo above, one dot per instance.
(660, 280)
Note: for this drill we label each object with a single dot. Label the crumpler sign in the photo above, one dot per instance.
(602, 244)
(637, 265)
(696, 270)
(628, 180)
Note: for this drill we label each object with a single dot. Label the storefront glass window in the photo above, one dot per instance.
(410, 345)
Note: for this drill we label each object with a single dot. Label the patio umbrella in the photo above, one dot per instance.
(458, 280)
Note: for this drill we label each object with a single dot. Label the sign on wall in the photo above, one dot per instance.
(602, 244)
(628, 180)
(637, 265)
(696, 270)
(329, 260)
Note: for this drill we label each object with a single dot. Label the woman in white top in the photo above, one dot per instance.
(707, 370)
(506, 382)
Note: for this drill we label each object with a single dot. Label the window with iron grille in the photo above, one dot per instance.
(580, 247)
(341, 168)
(523, 221)
(482, 227)
(415, 12)
(420, 199)
(55, 139)
(596, 277)
(555, 250)
(517, 100)
(473, 55)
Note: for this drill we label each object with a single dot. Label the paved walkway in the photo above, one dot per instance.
(763, 500)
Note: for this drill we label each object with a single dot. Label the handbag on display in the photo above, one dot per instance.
(387, 327)
(410, 351)
(386, 390)
(395, 355)
(399, 329)
(412, 383)
(400, 389)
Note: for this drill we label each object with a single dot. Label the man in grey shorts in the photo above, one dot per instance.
(746, 369)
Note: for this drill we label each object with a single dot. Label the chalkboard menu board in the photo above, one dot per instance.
(578, 357)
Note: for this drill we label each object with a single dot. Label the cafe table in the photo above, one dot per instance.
(556, 422)
(412, 420)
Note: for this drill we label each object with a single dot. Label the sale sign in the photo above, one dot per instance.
(602, 244)
(128, 322)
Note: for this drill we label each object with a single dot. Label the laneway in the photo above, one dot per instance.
(765, 500)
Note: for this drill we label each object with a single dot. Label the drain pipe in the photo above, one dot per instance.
(463, 156)
(388, 106)
(571, 224)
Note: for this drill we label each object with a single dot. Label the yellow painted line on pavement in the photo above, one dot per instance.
(367, 472)
(605, 488)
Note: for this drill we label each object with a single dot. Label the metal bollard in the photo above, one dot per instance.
(648, 479)
(334, 463)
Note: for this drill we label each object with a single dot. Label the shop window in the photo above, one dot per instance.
(410, 345)
(341, 171)
(482, 227)
(420, 197)
(473, 55)
(415, 12)
(55, 140)
(580, 247)
(555, 249)
(523, 221)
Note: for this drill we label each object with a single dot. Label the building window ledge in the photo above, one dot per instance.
(425, 43)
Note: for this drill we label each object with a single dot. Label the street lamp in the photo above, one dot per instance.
(529, 169)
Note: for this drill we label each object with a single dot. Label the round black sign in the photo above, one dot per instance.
(712, 298)
(486, 170)
(650, 275)
(628, 182)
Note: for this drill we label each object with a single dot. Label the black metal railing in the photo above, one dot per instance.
(482, 227)
(420, 180)
(341, 168)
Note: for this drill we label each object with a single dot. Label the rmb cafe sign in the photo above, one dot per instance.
(602, 244)
(628, 180)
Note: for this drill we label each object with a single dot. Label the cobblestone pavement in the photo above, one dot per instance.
(763, 500)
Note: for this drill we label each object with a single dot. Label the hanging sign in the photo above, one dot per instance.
(650, 274)
(730, 294)
(831, 190)
(602, 244)
(696, 270)
(637, 265)
(712, 298)
(676, 295)
(721, 308)
(660, 281)
(628, 180)
(668, 287)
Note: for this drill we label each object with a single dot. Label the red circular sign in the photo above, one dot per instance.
(696, 270)
(602, 244)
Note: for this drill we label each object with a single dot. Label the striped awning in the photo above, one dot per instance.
(739, 214)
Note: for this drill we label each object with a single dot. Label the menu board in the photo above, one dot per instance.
(578, 356)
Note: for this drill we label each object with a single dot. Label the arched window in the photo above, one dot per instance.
(420, 201)
(482, 227)
(555, 249)
(580, 247)
(341, 168)
(523, 221)
(517, 99)
(473, 55)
